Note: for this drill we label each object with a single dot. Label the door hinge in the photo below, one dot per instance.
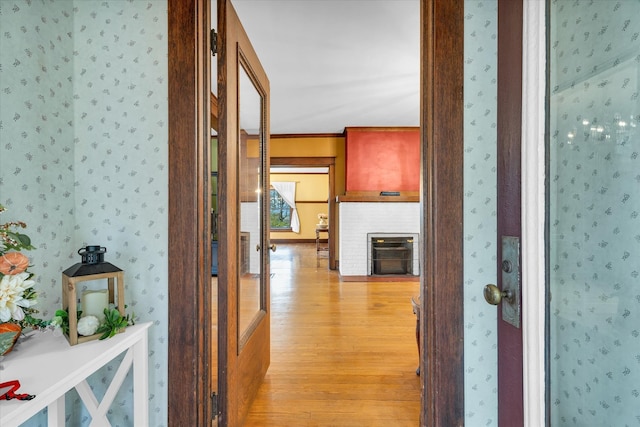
(214, 405)
(213, 36)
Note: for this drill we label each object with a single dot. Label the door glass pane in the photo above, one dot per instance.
(594, 213)
(250, 212)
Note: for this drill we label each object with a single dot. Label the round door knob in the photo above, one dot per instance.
(493, 295)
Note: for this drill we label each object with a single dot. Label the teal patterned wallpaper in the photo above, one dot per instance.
(480, 322)
(83, 155)
(594, 213)
(83, 140)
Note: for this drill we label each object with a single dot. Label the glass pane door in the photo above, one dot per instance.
(251, 216)
(594, 213)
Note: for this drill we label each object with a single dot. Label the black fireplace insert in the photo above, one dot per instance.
(391, 255)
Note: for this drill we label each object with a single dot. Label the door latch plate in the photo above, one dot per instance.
(511, 280)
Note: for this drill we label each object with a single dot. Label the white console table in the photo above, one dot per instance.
(47, 366)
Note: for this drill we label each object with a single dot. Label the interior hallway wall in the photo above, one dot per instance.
(480, 120)
(83, 156)
(84, 151)
(594, 216)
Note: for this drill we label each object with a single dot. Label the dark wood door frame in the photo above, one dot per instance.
(189, 258)
(330, 163)
(441, 194)
(509, 136)
(441, 122)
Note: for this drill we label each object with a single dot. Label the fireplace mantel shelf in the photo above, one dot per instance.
(374, 196)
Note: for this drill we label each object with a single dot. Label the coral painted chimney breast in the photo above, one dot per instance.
(382, 159)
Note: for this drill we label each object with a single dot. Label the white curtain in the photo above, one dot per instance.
(287, 191)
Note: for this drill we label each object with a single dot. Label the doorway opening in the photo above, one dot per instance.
(319, 162)
(441, 28)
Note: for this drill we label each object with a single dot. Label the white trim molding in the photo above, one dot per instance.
(533, 211)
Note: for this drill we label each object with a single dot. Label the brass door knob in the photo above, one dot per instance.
(493, 295)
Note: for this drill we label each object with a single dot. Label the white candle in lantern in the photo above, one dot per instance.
(94, 303)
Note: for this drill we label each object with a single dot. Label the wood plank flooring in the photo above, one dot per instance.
(342, 353)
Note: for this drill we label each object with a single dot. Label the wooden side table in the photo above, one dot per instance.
(415, 302)
(47, 366)
(318, 231)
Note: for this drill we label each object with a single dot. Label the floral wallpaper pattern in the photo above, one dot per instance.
(480, 228)
(83, 160)
(594, 213)
(83, 157)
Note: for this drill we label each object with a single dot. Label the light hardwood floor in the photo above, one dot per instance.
(342, 353)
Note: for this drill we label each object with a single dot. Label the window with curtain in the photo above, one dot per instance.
(280, 212)
(283, 212)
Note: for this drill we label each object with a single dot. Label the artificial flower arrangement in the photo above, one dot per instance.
(18, 297)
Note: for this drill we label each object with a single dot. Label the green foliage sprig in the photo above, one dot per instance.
(11, 239)
(61, 320)
(113, 323)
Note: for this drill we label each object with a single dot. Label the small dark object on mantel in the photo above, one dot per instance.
(389, 193)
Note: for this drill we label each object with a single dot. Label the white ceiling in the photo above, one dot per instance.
(337, 63)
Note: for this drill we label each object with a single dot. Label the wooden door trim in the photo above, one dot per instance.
(441, 119)
(188, 246)
(509, 135)
(442, 290)
(534, 312)
(329, 162)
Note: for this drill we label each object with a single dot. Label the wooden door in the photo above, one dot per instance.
(189, 276)
(510, 393)
(243, 279)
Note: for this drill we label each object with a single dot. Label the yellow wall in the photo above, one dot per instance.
(312, 188)
(311, 199)
(314, 146)
(306, 146)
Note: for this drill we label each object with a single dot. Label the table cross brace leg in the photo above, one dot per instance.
(98, 411)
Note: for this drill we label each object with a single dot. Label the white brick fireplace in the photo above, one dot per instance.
(359, 220)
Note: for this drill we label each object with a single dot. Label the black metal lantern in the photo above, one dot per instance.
(92, 267)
